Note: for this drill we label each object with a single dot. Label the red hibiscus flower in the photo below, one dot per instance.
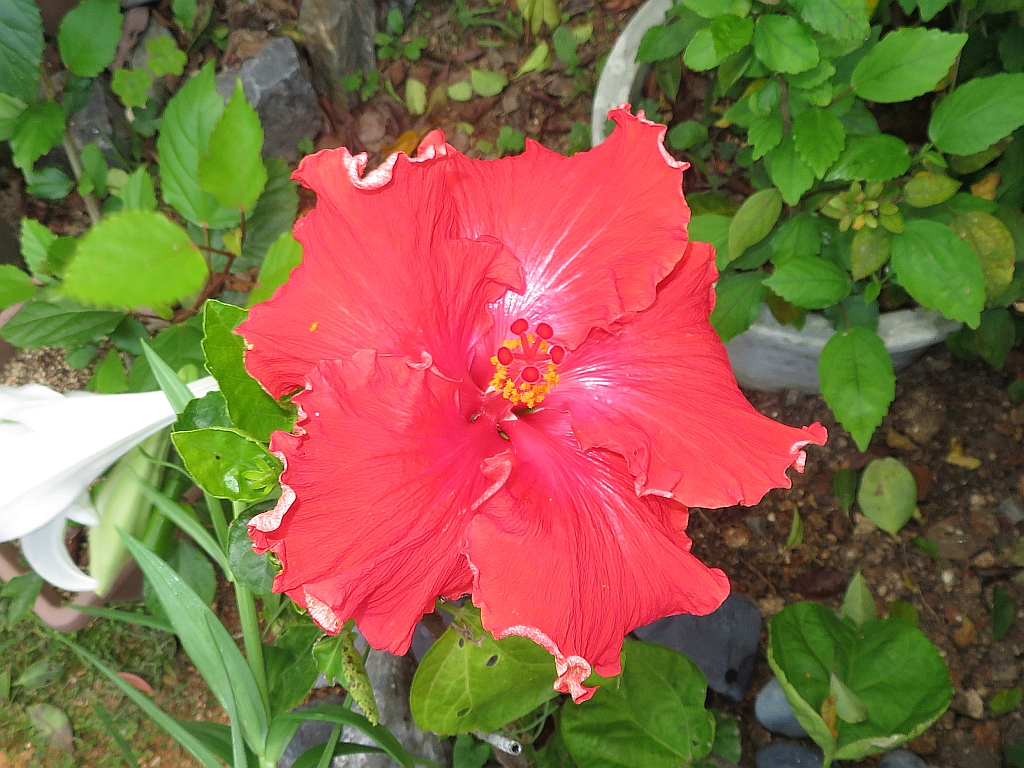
(510, 390)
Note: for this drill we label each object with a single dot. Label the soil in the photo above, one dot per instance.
(947, 413)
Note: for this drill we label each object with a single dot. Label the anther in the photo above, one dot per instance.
(519, 327)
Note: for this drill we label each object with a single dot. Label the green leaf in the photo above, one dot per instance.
(21, 49)
(713, 8)
(939, 270)
(337, 658)
(888, 494)
(765, 133)
(40, 128)
(132, 86)
(905, 64)
(88, 36)
(712, 228)
(185, 13)
(858, 603)
(927, 189)
(460, 91)
(810, 282)
(36, 240)
(796, 531)
(250, 407)
(652, 717)
(185, 128)
(700, 54)
(841, 19)
(178, 346)
(291, 669)
(788, 170)
(994, 246)
(208, 644)
(686, 134)
(109, 377)
(738, 303)
(43, 323)
(664, 41)
(753, 221)
(1004, 612)
(138, 194)
(844, 486)
(871, 158)
(731, 33)
(415, 96)
(135, 259)
(39, 675)
(857, 381)
(15, 286)
(165, 57)
(487, 83)
(274, 213)
(469, 681)
(509, 140)
(201, 412)
(808, 643)
(51, 183)
(232, 169)
(52, 724)
(24, 590)
(799, 236)
(904, 611)
(284, 255)
(228, 464)
(869, 251)
(538, 60)
(783, 44)
(849, 706)
(1006, 700)
(820, 137)
(978, 114)
(95, 167)
(470, 753)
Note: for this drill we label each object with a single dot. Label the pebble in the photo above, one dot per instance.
(722, 644)
(1012, 510)
(774, 712)
(969, 703)
(736, 537)
(953, 539)
(787, 756)
(901, 758)
(966, 634)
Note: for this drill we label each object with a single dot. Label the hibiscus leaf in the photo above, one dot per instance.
(282, 257)
(857, 381)
(753, 221)
(871, 158)
(227, 464)
(476, 683)
(810, 282)
(250, 407)
(978, 114)
(58, 324)
(788, 170)
(820, 137)
(291, 669)
(888, 494)
(738, 303)
(232, 168)
(906, 63)
(783, 44)
(21, 48)
(858, 602)
(135, 259)
(653, 716)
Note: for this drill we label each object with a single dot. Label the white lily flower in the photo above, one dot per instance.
(52, 448)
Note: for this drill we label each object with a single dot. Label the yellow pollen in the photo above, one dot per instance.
(507, 379)
(313, 326)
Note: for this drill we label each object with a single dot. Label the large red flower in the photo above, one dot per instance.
(510, 390)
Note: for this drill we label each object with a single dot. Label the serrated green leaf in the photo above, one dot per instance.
(51, 183)
(788, 171)
(65, 324)
(939, 270)
(284, 255)
(738, 303)
(841, 19)
(700, 54)
(765, 133)
(36, 240)
(664, 41)
(138, 193)
(15, 286)
(165, 57)
(820, 137)
(731, 33)
(185, 128)
(210, 410)
(798, 236)
(109, 377)
(783, 44)
(871, 158)
(857, 381)
(994, 246)
(905, 64)
(487, 83)
(810, 282)
(869, 251)
(40, 128)
(21, 49)
(753, 221)
(88, 36)
(132, 86)
(858, 605)
(232, 168)
(250, 407)
(927, 189)
(228, 464)
(888, 494)
(135, 259)
(978, 114)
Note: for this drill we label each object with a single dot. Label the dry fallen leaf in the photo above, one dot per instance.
(959, 458)
(136, 681)
(895, 439)
(986, 188)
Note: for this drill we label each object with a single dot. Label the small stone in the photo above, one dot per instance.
(953, 539)
(901, 758)
(755, 523)
(771, 605)
(736, 537)
(969, 703)
(863, 527)
(276, 84)
(966, 634)
(722, 644)
(775, 713)
(1012, 509)
(787, 756)
(984, 560)
(923, 417)
(371, 129)
(339, 38)
(1003, 665)
(948, 578)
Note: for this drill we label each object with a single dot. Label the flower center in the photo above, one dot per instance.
(525, 369)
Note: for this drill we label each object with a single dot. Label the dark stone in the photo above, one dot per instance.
(787, 756)
(276, 84)
(339, 38)
(901, 758)
(102, 120)
(722, 644)
(774, 712)
(820, 582)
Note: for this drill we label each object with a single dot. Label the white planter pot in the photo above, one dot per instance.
(769, 356)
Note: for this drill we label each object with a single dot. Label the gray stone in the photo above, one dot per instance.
(102, 120)
(276, 84)
(774, 712)
(391, 678)
(901, 758)
(787, 756)
(339, 38)
(722, 644)
(1012, 510)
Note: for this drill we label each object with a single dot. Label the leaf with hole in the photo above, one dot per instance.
(228, 464)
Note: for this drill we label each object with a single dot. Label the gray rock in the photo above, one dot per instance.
(901, 758)
(102, 120)
(722, 644)
(339, 38)
(1012, 510)
(391, 678)
(276, 84)
(774, 712)
(787, 756)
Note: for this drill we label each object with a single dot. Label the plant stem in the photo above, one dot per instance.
(328, 753)
(253, 640)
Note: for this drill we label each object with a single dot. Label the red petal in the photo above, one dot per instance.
(567, 554)
(379, 271)
(379, 487)
(660, 392)
(595, 232)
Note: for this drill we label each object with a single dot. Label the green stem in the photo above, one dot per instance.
(328, 753)
(220, 525)
(253, 640)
